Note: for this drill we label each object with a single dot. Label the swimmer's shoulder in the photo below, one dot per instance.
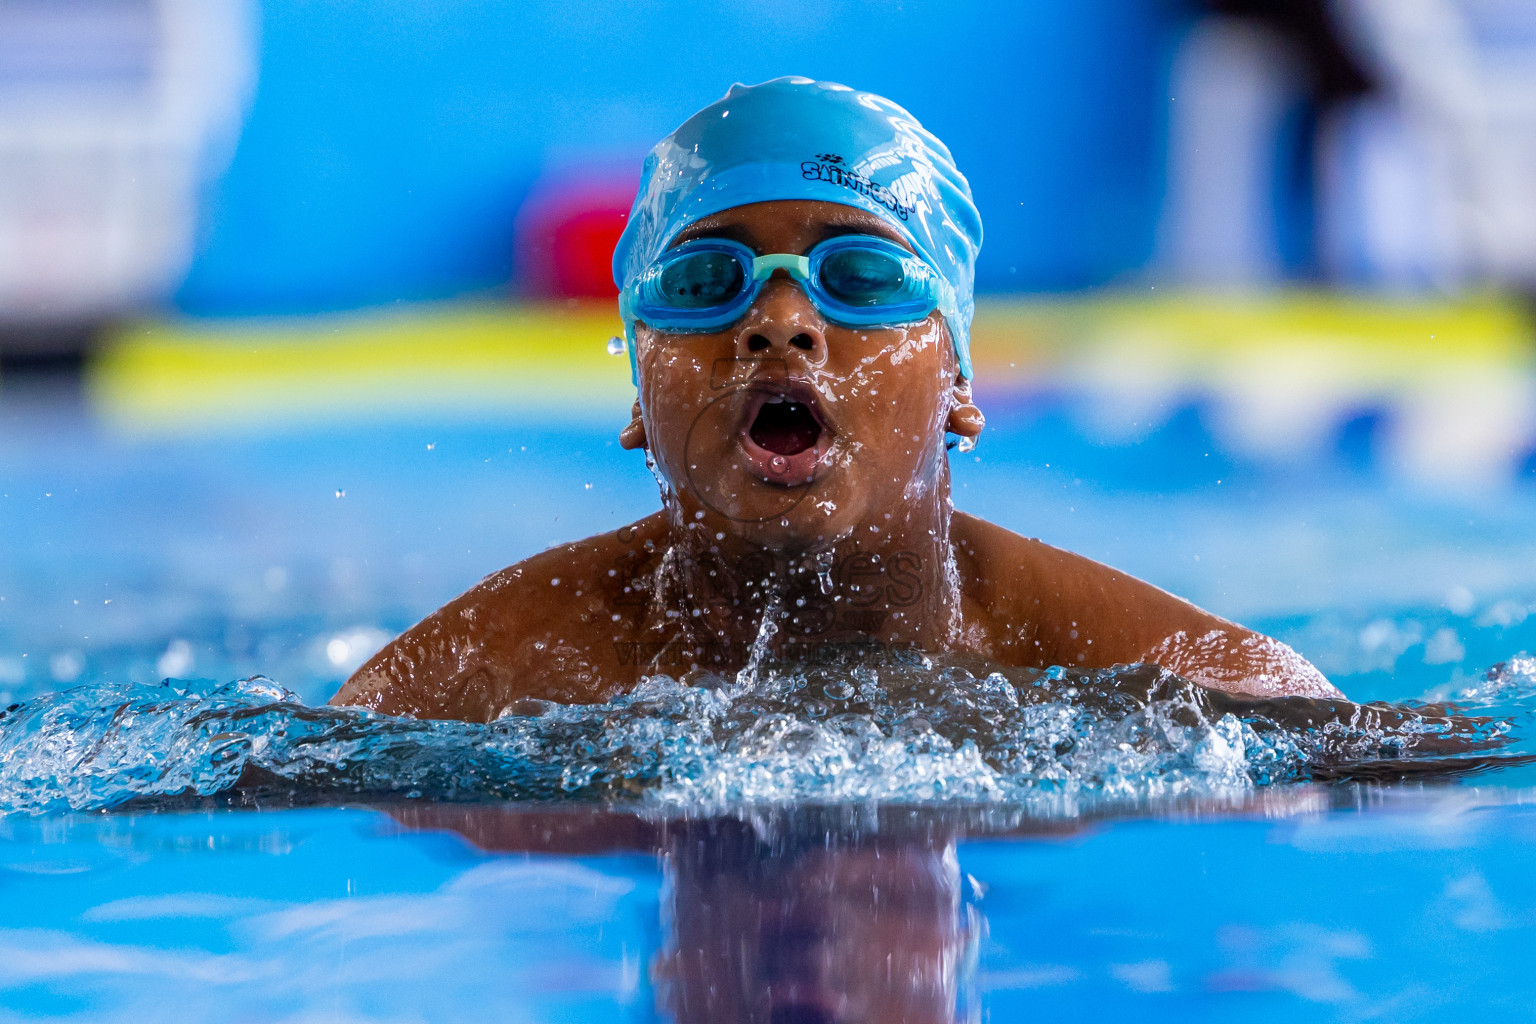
(1011, 571)
(570, 584)
(570, 581)
(540, 628)
(1044, 605)
(1035, 605)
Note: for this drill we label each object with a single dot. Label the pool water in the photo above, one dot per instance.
(293, 553)
(1412, 906)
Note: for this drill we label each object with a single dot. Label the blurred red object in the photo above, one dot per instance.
(566, 231)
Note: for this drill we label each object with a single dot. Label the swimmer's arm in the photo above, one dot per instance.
(1064, 609)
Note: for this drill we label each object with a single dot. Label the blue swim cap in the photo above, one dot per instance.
(794, 138)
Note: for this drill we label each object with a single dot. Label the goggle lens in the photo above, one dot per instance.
(862, 277)
(702, 280)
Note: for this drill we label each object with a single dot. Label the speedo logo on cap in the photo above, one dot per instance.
(830, 168)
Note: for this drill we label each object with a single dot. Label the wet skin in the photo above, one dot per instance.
(805, 484)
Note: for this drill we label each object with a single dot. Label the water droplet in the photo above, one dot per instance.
(615, 346)
(824, 571)
(967, 444)
(340, 493)
(779, 463)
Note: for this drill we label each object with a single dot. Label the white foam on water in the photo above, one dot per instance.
(863, 725)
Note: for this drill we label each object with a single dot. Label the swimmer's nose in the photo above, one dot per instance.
(782, 324)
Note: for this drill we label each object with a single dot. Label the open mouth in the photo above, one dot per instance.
(784, 426)
(784, 435)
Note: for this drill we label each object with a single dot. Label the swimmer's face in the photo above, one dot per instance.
(783, 426)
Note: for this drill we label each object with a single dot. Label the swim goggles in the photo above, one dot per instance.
(854, 280)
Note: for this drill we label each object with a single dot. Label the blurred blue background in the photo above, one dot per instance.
(233, 157)
(392, 144)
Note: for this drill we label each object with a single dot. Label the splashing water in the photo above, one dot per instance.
(863, 725)
(767, 629)
(824, 562)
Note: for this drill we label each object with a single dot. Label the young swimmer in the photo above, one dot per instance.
(796, 281)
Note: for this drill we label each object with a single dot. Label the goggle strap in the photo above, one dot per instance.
(626, 314)
(949, 308)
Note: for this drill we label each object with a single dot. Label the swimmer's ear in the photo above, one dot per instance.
(965, 420)
(633, 436)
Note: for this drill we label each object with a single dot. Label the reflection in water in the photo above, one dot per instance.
(805, 916)
(807, 934)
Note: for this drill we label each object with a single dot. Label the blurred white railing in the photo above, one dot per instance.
(113, 114)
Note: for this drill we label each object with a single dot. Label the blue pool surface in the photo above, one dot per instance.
(295, 552)
(1420, 910)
